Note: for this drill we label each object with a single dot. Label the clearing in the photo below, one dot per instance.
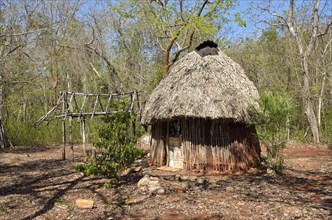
(35, 184)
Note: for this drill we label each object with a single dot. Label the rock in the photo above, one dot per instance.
(238, 173)
(156, 190)
(270, 172)
(200, 216)
(173, 216)
(184, 178)
(192, 178)
(297, 214)
(126, 172)
(238, 189)
(253, 170)
(154, 178)
(153, 183)
(136, 169)
(253, 189)
(229, 189)
(131, 170)
(200, 181)
(186, 185)
(84, 203)
(182, 187)
(144, 181)
(160, 191)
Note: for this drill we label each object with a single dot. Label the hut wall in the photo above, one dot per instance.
(218, 145)
(158, 144)
(209, 145)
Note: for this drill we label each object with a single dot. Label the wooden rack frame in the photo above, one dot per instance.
(76, 105)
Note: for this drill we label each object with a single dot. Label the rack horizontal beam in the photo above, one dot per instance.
(84, 114)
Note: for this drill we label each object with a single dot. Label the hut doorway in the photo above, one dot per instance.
(174, 152)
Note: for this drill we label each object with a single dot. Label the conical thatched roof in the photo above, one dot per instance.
(202, 87)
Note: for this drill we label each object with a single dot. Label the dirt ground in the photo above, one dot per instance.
(36, 184)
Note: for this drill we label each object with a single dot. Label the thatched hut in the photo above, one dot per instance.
(199, 114)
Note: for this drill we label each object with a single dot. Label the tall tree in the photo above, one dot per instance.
(305, 49)
(176, 25)
(23, 42)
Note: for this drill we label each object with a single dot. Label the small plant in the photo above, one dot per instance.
(121, 201)
(272, 121)
(3, 208)
(61, 200)
(117, 151)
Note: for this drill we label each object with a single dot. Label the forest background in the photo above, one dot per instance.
(111, 46)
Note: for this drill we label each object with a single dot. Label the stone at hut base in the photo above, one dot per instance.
(143, 182)
(126, 172)
(270, 172)
(131, 170)
(136, 169)
(253, 170)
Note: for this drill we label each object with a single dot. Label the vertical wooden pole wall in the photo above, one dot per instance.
(71, 137)
(134, 121)
(64, 106)
(83, 135)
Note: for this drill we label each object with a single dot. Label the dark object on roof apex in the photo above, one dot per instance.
(207, 48)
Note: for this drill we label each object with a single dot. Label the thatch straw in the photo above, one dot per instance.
(212, 87)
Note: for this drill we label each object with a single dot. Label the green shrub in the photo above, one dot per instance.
(117, 150)
(272, 122)
(326, 128)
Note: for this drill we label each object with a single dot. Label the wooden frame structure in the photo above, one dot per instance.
(82, 105)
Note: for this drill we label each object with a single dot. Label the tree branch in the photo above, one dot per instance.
(328, 26)
(9, 52)
(202, 8)
(23, 33)
(292, 30)
(314, 27)
(175, 58)
(160, 45)
(273, 14)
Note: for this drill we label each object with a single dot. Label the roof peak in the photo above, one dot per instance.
(207, 48)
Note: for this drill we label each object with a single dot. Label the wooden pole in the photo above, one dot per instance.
(127, 132)
(138, 107)
(84, 135)
(167, 146)
(71, 138)
(64, 105)
(134, 127)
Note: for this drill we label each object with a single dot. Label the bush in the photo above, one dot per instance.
(117, 151)
(272, 122)
(327, 126)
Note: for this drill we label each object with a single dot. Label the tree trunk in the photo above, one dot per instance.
(54, 86)
(304, 52)
(3, 139)
(167, 54)
(307, 101)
